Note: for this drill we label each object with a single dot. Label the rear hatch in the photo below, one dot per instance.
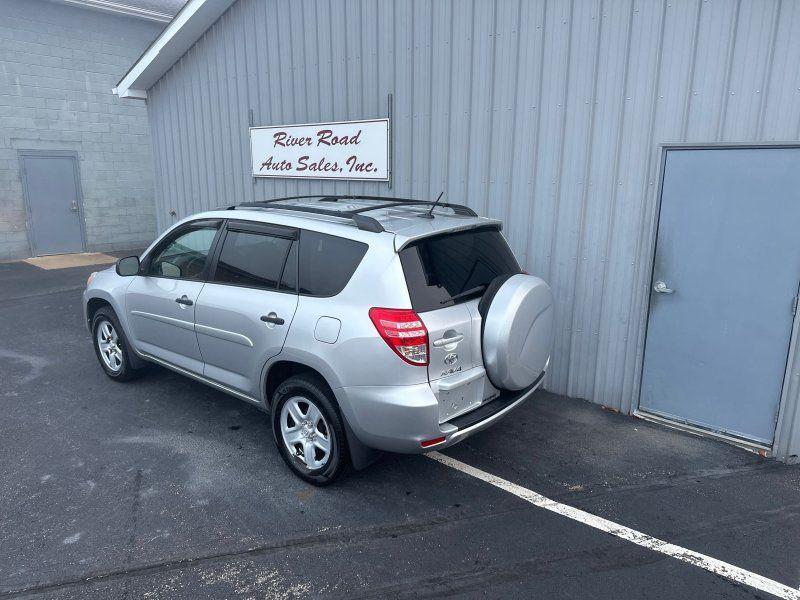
(446, 276)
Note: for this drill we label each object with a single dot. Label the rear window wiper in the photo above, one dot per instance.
(465, 294)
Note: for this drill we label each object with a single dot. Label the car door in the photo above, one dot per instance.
(160, 302)
(244, 312)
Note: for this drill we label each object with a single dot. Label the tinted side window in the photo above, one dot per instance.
(252, 259)
(327, 262)
(184, 257)
(438, 268)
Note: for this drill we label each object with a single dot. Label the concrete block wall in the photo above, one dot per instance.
(58, 63)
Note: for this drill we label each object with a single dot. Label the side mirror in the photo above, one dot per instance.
(128, 266)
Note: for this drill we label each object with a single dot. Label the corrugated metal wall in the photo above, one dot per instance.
(546, 113)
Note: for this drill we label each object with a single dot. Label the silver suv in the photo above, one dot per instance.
(358, 323)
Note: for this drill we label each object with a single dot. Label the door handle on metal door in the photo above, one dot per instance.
(447, 341)
(273, 318)
(184, 300)
(661, 288)
(74, 206)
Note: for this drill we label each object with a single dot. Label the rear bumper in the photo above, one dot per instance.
(400, 418)
(486, 415)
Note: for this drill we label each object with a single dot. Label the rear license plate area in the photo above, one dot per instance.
(457, 401)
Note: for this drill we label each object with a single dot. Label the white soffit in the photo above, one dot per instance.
(130, 8)
(185, 29)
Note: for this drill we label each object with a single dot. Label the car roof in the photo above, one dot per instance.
(401, 224)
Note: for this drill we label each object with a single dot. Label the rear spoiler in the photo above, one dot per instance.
(401, 241)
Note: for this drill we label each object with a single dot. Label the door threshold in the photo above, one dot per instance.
(755, 447)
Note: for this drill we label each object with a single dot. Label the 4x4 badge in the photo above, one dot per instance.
(451, 358)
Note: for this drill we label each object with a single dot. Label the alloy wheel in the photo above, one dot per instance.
(305, 432)
(108, 344)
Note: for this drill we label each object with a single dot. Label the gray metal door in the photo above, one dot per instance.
(725, 277)
(52, 194)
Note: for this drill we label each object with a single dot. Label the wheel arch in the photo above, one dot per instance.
(280, 370)
(99, 299)
(284, 366)
(93, 305)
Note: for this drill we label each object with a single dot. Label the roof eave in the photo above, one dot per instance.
(191, 22)
(122, 8)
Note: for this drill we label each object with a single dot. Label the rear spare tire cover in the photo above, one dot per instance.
(518, 332)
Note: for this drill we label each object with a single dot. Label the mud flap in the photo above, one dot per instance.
(361, 456)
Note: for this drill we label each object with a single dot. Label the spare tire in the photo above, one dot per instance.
(517, 331)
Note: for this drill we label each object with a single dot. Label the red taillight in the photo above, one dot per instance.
(404, 331)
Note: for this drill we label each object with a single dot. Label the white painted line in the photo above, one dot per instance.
(708, 563)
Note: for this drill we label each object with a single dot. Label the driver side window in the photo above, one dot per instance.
(184, 256)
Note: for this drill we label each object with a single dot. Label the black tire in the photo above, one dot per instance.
(125, 372)
(312, 389)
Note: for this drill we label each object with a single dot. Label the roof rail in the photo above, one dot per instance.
(361, 220)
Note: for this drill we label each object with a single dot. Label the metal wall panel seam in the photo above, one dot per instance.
(638, 319)
(538, 108)
(155, 131)
(432, 139)
(728, 73)
(614, 199)
(525, 122)
(514, 66)
(191, 134)
(246, 103)
(773, 37)
(561, 384)
(490, 113)
(577, 306)
(469, 111)
(177, 174)
(450, 108)
(225, 104)
(693, 64)
(215, 120)
(198, 107)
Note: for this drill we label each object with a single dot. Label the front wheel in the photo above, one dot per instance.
(308, 430)
(111, 346)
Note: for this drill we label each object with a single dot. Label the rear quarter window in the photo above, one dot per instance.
(440, 267)
(327, 262)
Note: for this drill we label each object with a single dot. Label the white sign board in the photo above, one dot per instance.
(342, 150)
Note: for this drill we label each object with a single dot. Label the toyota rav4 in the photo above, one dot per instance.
(359, 323)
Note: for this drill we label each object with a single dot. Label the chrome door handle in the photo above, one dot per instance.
(73, 206)
(184, 300)
(273, 319)
(661, 288)
(447, 341)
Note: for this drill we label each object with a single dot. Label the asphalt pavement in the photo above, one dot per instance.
(165, 488)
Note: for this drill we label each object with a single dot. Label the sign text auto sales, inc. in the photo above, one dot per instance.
(342, 150)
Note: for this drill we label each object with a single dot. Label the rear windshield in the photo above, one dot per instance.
(459, 265)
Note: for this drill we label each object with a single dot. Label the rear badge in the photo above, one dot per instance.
(451, 358)
(451, 371)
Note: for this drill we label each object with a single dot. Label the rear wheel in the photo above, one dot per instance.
(308, 430)
(111, 346)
